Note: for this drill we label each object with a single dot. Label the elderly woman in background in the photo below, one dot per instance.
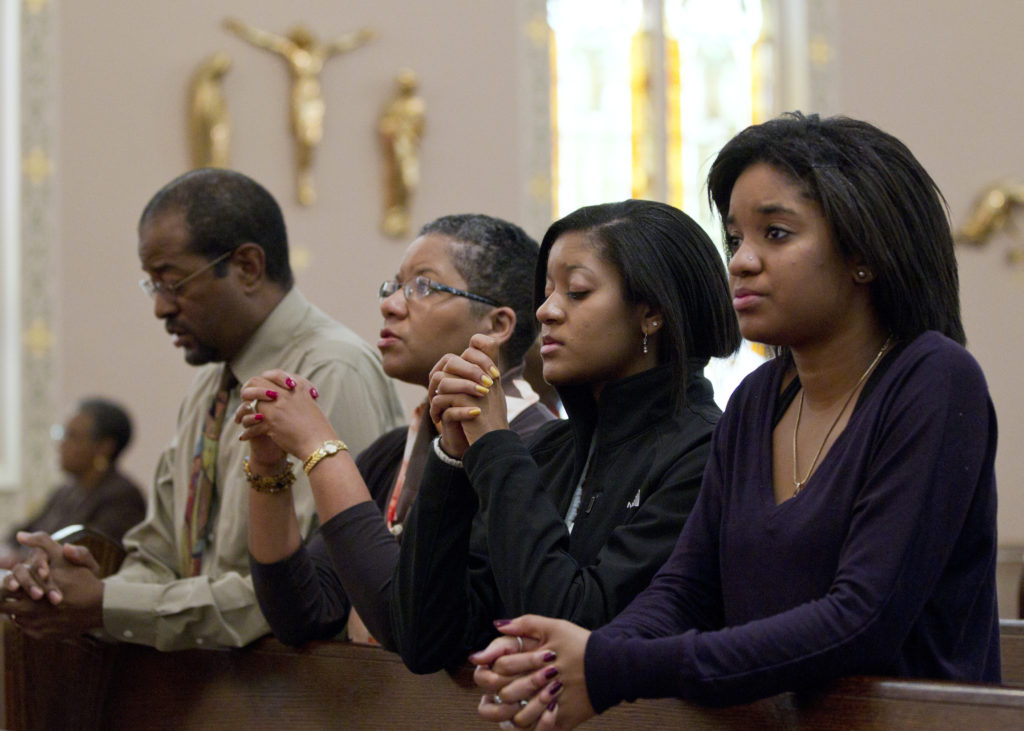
(97, 495)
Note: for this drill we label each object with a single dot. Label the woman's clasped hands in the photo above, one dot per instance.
(281, 417)
(532, 676)
(466, 399)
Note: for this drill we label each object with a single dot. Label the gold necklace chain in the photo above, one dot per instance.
(797, 483)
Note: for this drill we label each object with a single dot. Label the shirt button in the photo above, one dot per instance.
(128, 634)
(199, 640)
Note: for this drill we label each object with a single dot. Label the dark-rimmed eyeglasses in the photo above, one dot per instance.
(420, 287)
(163, 289)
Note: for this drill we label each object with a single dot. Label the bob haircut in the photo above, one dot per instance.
(666, 260)
(882, 207)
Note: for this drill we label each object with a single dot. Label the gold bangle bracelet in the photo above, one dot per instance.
(277, 483)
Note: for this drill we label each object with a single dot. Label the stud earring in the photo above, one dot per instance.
(862, 274)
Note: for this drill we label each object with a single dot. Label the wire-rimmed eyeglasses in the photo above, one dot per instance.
(152, 288)
(420, 287)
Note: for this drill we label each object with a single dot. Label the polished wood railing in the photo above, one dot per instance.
(83, 684)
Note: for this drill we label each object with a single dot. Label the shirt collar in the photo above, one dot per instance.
(263, 350)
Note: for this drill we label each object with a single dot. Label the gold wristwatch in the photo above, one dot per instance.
(328, 449)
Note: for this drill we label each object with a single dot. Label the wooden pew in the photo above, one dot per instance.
(332, 684)
(1011, 644)
(83, 684)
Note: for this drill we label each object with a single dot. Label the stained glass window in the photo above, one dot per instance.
(645, 93)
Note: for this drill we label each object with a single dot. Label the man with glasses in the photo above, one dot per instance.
(464, 274)
(214, 248)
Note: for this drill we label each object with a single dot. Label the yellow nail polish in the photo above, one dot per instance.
(474, 412)
(483, 389)
(495, 372)
(487, 380)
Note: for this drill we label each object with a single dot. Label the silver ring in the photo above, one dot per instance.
(496, 699)
(524, 703)
(520, 641)
(506, 725)
(253, 405)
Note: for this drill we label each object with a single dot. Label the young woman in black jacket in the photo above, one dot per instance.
(632, 300)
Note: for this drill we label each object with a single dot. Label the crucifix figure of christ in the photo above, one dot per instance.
(305, 56)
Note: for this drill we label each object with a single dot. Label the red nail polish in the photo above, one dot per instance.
(502, 622)
(313, 392)
(271, 394)
(549, 656)
(258, 417)
(550, 673)
(555, 687)
(289, 382)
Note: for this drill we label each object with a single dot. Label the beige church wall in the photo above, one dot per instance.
(939, 74)
(124, 66)
(943, 76)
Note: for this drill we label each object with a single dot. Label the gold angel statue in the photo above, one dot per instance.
(209, 128)
(400, 128)
(991, 212)
(305, 57)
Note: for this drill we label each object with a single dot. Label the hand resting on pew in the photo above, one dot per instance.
(56, 592)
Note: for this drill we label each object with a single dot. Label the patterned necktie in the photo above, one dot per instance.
(202, 492)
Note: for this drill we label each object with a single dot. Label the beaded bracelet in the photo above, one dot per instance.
(444, 456)
(277, 483)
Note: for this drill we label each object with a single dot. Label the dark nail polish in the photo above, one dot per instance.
(550, 673)
(289, 382)
(549, 656)
(555, 687)
(271, 394)
(552, 706)
(314, 393)
(258, 417)
(502, 622)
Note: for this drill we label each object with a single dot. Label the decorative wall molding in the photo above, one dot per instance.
(30, 346)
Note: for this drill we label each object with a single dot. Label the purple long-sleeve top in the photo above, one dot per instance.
(884, 564)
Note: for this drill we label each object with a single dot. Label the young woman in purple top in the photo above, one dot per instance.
(846, 522)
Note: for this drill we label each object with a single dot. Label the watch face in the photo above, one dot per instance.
(330, 448)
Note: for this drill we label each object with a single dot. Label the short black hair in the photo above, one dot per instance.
(109, 421)
(224, 209)
(882, 207)
(497, 259)
(666, 260)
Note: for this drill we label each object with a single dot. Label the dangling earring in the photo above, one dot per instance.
(645, 343)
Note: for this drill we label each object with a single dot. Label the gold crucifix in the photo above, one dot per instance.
(305, 56)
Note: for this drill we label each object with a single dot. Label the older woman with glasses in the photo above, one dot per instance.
(97, 495)
(464, 274)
